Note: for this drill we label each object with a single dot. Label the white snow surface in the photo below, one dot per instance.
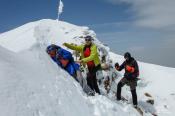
(31, 84)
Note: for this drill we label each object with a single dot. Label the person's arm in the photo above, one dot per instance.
(121, 67)
(65, 54)
(92, 55)
(74, 47)
(57, 61)
(136, 67)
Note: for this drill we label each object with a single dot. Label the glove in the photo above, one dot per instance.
(65, 44)
(130, 68)
(117, 66)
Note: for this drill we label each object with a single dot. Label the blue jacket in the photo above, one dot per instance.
(71, 67)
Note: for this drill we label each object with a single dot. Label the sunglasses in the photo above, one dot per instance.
(87, 39)
(52, 52)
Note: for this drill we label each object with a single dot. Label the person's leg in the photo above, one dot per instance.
(89, 81)
(133, 85)
(92, 81)
(79, 77)
(134, 97)
(75, 77)
(95, 85)
(119, 87)
(84, 85)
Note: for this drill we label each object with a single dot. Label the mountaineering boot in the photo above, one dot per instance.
(135, 106)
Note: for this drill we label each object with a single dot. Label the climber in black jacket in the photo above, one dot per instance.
(130, 77)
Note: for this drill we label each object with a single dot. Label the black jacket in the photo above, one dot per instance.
(133, 63)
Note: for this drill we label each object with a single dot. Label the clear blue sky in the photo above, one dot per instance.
(145, 28)
(14, 13)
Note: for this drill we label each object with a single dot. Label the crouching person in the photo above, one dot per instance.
(130, 77)
(64, 59)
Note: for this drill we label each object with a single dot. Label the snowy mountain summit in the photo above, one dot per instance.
(31, 84)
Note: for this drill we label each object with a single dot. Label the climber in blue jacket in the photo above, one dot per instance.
(63, 58)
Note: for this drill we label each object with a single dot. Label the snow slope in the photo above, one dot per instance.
(32, 85)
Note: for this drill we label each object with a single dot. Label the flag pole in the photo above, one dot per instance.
(60, 9)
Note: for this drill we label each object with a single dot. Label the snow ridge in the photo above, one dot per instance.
(32, 85)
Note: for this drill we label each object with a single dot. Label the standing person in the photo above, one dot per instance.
(89, 56)
(130, 77)
(65, 60)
